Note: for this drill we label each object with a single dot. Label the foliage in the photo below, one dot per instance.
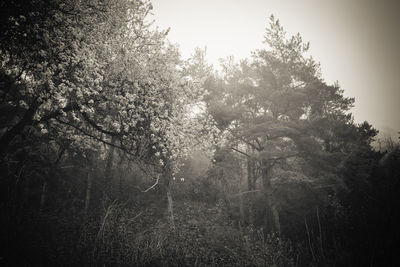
(105, 133)
(204, 239)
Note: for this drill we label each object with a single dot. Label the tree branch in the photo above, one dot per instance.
(125, 150)
(57, 113)
(241, 152)
(97, 127)
(151, 187)
(9, 135)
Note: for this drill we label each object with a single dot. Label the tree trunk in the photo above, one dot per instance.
(121, 180)
(107, 186)
(9, 135)
(270, 199)
(167, 178)
(43, 196)
(52, 173)
(88, 192)
(120, 193)
(241, 209)
(251, 187)
(19, 190)
(170, 207)
(241, 205)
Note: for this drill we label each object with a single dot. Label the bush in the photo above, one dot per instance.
(203, 237)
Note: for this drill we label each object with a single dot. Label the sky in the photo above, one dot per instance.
(357, 42)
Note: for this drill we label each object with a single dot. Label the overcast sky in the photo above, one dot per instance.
(356, 41)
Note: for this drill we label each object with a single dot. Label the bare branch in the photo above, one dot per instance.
(91, 135)
(125, 150)
(241, 152)
(151, 187)
(96, 126)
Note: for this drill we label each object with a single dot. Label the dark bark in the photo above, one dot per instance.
(43, 196)
(108, 173)
(170, 207)
(241, 204)
(17, 129)
(270, 199)
(88, 192)
(241, 209)
(167, 178)
(52, 173)
(251, 187)
(19, 189)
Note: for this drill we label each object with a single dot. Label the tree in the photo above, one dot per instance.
(97, 76)
(279, 113)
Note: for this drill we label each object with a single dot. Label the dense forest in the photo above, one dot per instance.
(115, 151)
